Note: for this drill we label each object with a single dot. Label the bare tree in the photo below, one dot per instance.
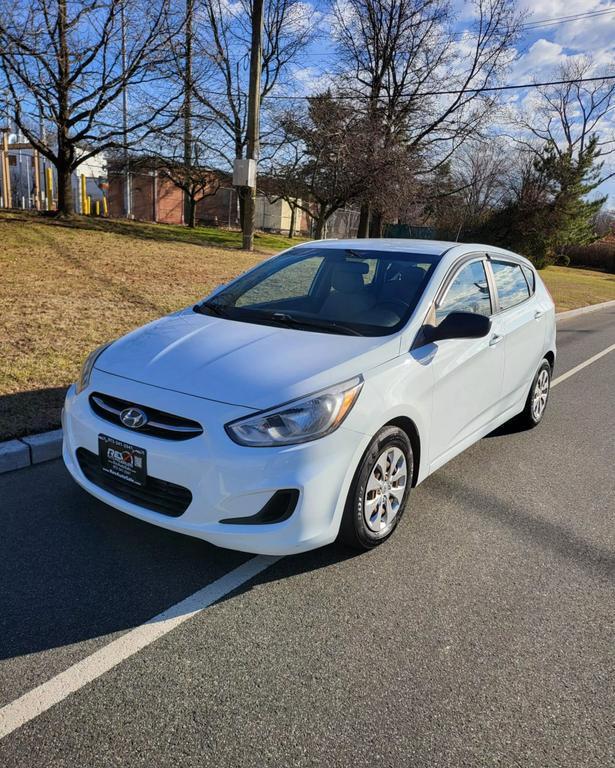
(321, 174)
(196, 182)
(283, 182)
(482, 175)
(188, 80)
(63, 67)
(605, 223)
(195, 176)
(220, 53)
(419, 81)
(326, 165)
(568, 115)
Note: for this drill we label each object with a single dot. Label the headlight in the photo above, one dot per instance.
(86, 368)
(299, 421)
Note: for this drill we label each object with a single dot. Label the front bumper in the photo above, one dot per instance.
(226, 480)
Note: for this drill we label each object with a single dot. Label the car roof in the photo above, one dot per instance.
(407, 245)
(431, 247)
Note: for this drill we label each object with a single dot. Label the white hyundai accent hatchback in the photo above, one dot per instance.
(302, 401)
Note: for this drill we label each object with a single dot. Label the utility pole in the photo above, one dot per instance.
(42, 162)
(6, 171)
(253, 132)
(188, 85)
(127, 180)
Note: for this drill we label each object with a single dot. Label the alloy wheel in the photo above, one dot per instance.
(385, 490)
(541, 393)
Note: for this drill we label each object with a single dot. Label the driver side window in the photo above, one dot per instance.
(469, 292)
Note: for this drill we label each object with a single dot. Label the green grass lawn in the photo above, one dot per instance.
(573, 287)
(67, 287)
(161, 233)
(175, 233)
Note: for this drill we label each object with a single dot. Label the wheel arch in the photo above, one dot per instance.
(409, 427)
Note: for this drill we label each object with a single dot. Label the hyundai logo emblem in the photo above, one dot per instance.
(133, 418)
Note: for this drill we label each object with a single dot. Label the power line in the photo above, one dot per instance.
(516, 86)
(566, 19)
(485, 89)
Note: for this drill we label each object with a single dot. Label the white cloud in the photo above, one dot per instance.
(540, 60)
(311, 80)
(549, 9)
(592, 34)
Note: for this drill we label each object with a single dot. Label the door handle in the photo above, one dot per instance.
(495, 339)
(538, 314)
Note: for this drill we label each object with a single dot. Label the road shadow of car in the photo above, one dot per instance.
(73, 569)
(531, 527)
(512, 427)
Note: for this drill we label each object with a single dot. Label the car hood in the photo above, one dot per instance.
(255, 366)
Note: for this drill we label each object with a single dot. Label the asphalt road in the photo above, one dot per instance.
(482, 634)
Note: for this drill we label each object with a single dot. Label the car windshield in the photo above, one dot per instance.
(334, 290)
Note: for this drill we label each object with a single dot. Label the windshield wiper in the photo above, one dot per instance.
(282, 318)
(211, 307)
(326, 325)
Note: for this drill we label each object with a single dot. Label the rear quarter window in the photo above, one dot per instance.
(530, 277)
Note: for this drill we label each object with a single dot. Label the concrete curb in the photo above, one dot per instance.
(584, 310)
(34, 449)
(14, 454)
(45, 446)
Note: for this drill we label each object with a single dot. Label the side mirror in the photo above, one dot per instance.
(459, 325)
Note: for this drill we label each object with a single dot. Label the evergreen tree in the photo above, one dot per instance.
(550, 209)
(570, 181)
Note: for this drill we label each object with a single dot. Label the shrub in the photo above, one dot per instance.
(599, 255)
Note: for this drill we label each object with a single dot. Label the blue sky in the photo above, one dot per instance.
(539, 53)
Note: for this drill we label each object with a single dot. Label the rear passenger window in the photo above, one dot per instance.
(510, 282)
(469, 292)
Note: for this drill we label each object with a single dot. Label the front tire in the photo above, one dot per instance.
(538, 397)
(379, 491)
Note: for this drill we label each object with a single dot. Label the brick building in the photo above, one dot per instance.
(156, 198)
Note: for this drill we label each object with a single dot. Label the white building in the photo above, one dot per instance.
(28, 177)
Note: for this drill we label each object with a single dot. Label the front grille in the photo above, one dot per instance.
(159, 423)
(158, 495)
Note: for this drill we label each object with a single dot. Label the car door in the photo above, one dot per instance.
(522, 322)
(467, 372)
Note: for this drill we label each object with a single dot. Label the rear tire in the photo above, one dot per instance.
(538, 397)
(379, 491)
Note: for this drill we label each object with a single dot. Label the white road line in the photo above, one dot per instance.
(580, 366)
(46, 695)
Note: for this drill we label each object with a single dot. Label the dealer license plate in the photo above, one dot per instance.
(122, 460)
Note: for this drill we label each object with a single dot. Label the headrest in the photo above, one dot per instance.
(347, 276)
(408, 273)
(404, 281)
